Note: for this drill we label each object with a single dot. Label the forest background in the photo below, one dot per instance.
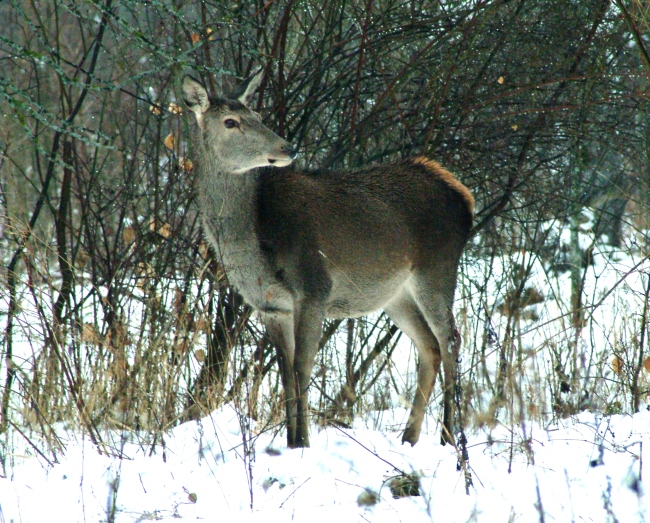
(113, 313)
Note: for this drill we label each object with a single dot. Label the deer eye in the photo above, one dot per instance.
(229, 123)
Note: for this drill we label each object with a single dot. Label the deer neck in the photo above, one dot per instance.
(228, 203)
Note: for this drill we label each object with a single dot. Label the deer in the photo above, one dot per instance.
(303, 246)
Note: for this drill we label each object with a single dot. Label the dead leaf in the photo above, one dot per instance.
(515, 127)
(179, 301)
(204, 249)
(203, 326)
(165, 231)
(195, 38)
(170, 142)
(90, 334)
(155, 109)
(174, 108)
(405, 485)
(617, 365)
(118, 337)
(81, 260)
(186, 164)
(646, 364)
(199, 354)
(368, 498)
(129, 235)
(190, 495)
(183, 346)
(145, 271)
(500, 80)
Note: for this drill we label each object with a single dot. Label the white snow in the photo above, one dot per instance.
(585, 468)
(588, 468)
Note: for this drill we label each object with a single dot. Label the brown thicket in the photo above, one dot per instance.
(113, 312)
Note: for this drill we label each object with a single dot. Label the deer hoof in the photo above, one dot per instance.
(410, 436)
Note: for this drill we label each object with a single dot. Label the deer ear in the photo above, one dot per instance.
(195, 96)
(244, 91)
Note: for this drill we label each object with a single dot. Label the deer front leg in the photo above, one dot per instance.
(308, 332)
(280, 331)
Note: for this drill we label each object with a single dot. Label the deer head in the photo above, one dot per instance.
(231, 131)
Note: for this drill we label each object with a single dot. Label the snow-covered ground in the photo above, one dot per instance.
(586, 468)
(589, 468)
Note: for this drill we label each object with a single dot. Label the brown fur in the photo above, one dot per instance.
(448, 178)
(303, 246)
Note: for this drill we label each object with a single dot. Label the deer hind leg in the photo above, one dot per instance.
(280, 330)
(435, 300)
(406, 314)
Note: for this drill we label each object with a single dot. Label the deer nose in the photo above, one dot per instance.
(289, 151)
